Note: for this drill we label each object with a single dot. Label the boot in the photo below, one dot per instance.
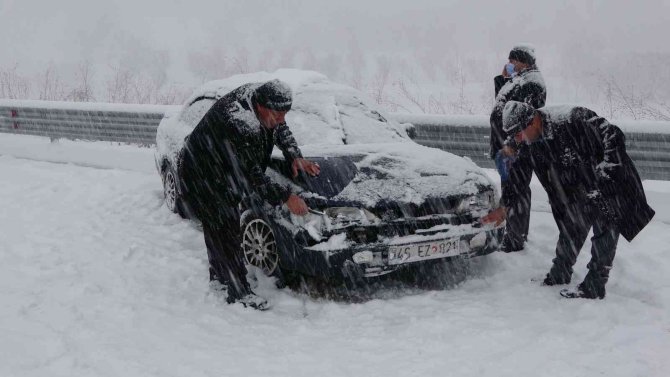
(212, 274)
(508, 245)
(250, 300)
(559, 274)
(594, 282)
(581, 292)
(215, 283)
(552, 280)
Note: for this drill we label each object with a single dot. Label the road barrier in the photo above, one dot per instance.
(647, 143)
(82, 121)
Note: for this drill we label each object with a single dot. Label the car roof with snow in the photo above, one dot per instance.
(323, 112)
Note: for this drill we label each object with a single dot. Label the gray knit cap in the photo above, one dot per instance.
(517, 116)
(274, 95)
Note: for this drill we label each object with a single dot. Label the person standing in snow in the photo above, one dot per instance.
(224, 161)
(520, 81)
(581, 161)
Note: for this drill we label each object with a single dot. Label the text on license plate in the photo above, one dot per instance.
(400, 254)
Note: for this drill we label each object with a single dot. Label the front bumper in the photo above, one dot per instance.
(347, 262)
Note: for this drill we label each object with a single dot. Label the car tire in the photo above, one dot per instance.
(259, 246)
(171, 193)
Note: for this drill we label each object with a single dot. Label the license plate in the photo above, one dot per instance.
(400, 254)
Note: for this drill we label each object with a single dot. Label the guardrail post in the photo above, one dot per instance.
(15, 114)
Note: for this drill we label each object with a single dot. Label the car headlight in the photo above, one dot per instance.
(485, 200)
(317, 223)
(340, 216)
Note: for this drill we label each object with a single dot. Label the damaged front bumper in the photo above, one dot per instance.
(376, 250)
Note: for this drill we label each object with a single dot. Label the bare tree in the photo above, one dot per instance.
(51, 88)
(609, 99)
(356, 62)
(208, 65)
(436, 105)
(83, 92)
(119, 85)
(143, 89)
(240, 61)
(462, 105)
(381, 78)
(625, 99)
(13, 85)
(172, 95)
(657, 110)
(410, 95)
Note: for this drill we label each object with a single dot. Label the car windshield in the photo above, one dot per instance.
(336, 174)
(327, 113)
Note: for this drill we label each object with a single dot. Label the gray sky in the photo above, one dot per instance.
(34, 33)
(60, 30)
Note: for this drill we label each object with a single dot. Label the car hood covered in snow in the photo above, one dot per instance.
(404, 173)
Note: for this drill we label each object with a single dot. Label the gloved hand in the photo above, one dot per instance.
(495, 217)
(608, 177)
(296, 205)
(504, 160)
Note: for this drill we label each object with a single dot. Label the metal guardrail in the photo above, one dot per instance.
(96, 122)
(136, 124)
(469, 136)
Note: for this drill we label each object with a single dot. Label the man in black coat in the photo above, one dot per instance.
(224, 161)
(521, 81)
(581, 161)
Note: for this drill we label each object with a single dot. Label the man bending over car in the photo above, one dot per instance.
(225, 160)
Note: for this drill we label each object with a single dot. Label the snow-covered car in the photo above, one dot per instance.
(381, 203)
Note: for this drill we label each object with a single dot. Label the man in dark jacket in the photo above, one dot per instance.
(581, 161)
(520, 81)
(224, 161)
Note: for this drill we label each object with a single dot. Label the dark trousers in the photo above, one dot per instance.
(218, 212)
(223, 241)
(518, 215)
(574, 222)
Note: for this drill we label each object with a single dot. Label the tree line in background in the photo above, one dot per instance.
(629, 87)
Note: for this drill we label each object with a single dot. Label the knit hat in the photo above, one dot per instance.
(523, 53)
(274, 95)
(517, 116)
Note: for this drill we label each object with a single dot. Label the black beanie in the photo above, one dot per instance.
(274, 95)
(517, 116)
(523, 54)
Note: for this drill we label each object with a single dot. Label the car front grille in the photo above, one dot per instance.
(389, 211)
(405, 227)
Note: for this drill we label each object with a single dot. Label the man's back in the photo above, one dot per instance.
(564, 159)
(528, 86)
(229, 131)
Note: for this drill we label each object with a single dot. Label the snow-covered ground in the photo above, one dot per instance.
(97, 278)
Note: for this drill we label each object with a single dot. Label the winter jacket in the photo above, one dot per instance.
(225, 157)
(528, 86)
(581, 158)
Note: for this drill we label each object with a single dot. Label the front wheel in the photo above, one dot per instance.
(259, 244)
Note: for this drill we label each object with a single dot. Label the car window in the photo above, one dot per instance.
(196, 110)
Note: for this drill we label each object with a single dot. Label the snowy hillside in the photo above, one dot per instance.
(98, 278)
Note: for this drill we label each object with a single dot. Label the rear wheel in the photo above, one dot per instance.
(173, 200)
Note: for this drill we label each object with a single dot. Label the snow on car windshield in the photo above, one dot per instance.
(323, 112)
